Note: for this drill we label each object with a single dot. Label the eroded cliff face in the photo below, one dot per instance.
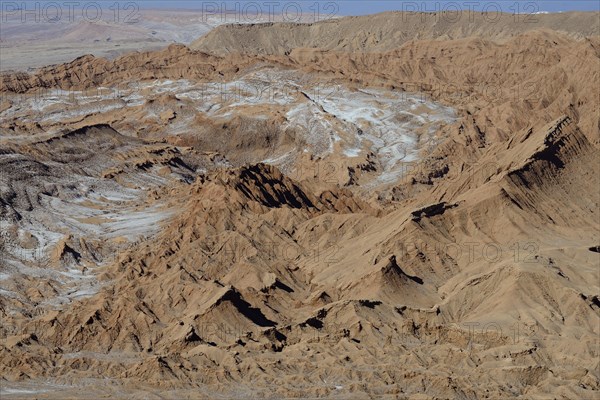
(420, 219)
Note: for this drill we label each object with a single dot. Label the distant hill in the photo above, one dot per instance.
(387, 31)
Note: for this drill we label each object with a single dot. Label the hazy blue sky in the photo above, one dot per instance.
(353, 7)
(359, 7)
